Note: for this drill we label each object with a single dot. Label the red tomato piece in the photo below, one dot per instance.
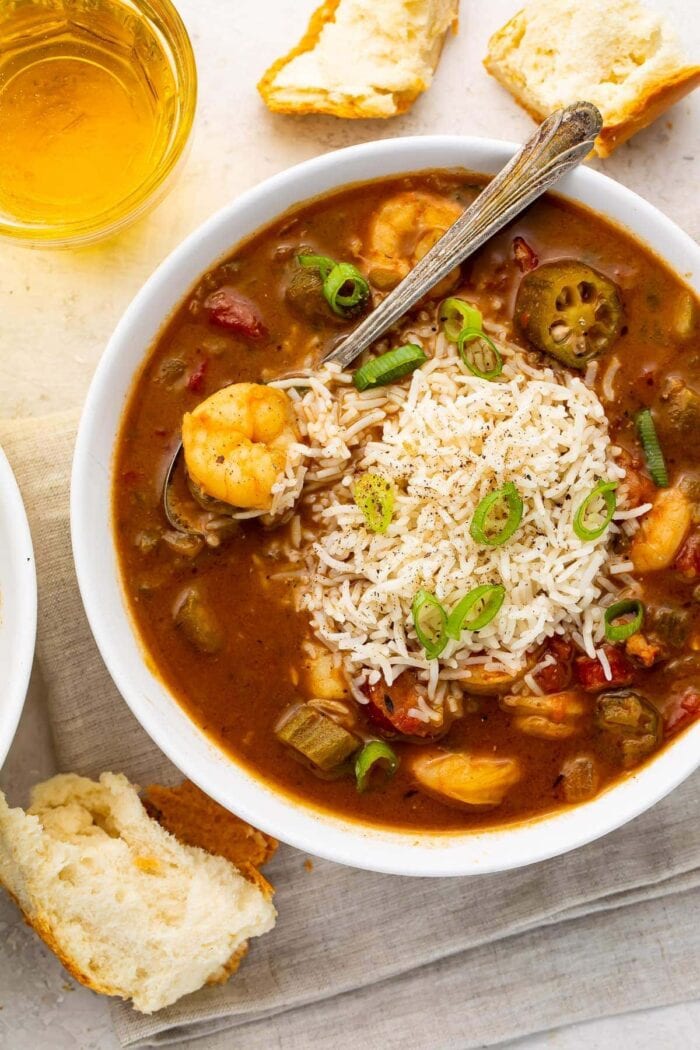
(389, 706)
(639, 486)
(232, 311)
(592, 677)
(556, 676)
(684, 710)
(688, 560)
(524, 255)
(196, 379)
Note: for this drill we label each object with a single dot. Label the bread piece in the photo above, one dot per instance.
(128, 909)
(360, 58)
(621, 56)
(192, 817)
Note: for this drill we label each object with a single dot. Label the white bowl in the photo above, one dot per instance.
(406, 853)
(17, 605)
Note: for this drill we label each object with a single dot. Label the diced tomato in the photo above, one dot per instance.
(389, 706)
(684, 710)
(524, 255)
(638, 485)
(231, 310)
(196, 378)
(688, 560)
(556, 676)
(592, 677)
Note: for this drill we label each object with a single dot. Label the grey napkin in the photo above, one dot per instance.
(360, 959)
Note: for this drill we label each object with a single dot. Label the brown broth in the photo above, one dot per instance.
(237, 695)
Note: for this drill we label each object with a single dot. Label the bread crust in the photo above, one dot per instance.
(195, 819)
(351, 109)
(651, 104)
(42, 927)
(657, 96)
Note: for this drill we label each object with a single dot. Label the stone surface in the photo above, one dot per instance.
(74, 298)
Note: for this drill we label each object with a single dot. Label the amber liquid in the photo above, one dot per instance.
(86, 91)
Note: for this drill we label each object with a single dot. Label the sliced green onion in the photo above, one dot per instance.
(322, 263)
(430, 622)
(455, 314)
(374, 495)
(376, 751)
(395, 364)
(489, 597)
(584, 528)
(652, 449)
(619, 632)
(479, 354)
(345, 289)
(481, 529)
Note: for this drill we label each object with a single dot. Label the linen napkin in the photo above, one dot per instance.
(364, 959)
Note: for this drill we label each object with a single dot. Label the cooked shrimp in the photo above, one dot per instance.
(403, 230)
(461, 779)
(662, 531)
(551, 717)
(236, 443)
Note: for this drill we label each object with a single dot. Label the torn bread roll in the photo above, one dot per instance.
(361, 59)
(622, 57)
(128, 909)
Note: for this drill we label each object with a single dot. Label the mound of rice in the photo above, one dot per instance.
(446, 439)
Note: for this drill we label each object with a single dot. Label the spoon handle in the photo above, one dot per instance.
(559, 144)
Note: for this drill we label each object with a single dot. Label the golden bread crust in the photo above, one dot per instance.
(195, 819)
(656, 100)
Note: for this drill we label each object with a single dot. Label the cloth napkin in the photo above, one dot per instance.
(372, 960)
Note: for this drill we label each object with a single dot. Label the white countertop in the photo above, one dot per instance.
(73, 300)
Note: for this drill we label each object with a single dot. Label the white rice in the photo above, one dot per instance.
(446, 439)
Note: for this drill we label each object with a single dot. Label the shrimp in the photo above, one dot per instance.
(662, 531)
(551, 717)
(236, 443)
(403, 230)
(461, 779)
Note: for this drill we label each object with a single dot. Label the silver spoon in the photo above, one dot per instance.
(560, 143)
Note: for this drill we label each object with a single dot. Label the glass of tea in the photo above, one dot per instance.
(97, 99)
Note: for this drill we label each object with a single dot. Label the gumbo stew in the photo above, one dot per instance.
(459, 585)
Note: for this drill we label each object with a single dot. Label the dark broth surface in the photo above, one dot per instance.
(237, 695)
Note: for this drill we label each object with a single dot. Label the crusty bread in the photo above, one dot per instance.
(621, 56)
(192, 817)
(360, 58)
(128, 909)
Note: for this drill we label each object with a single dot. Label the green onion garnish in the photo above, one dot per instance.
(376, 751)
(489, 597)
(652, 449)
(374, 495)
(618, 632)
(479, 354)
(584, 527)
(345, 289)
(430, 622)
(481, 529)
(395, 364)
(322, 263)
(455, 315)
